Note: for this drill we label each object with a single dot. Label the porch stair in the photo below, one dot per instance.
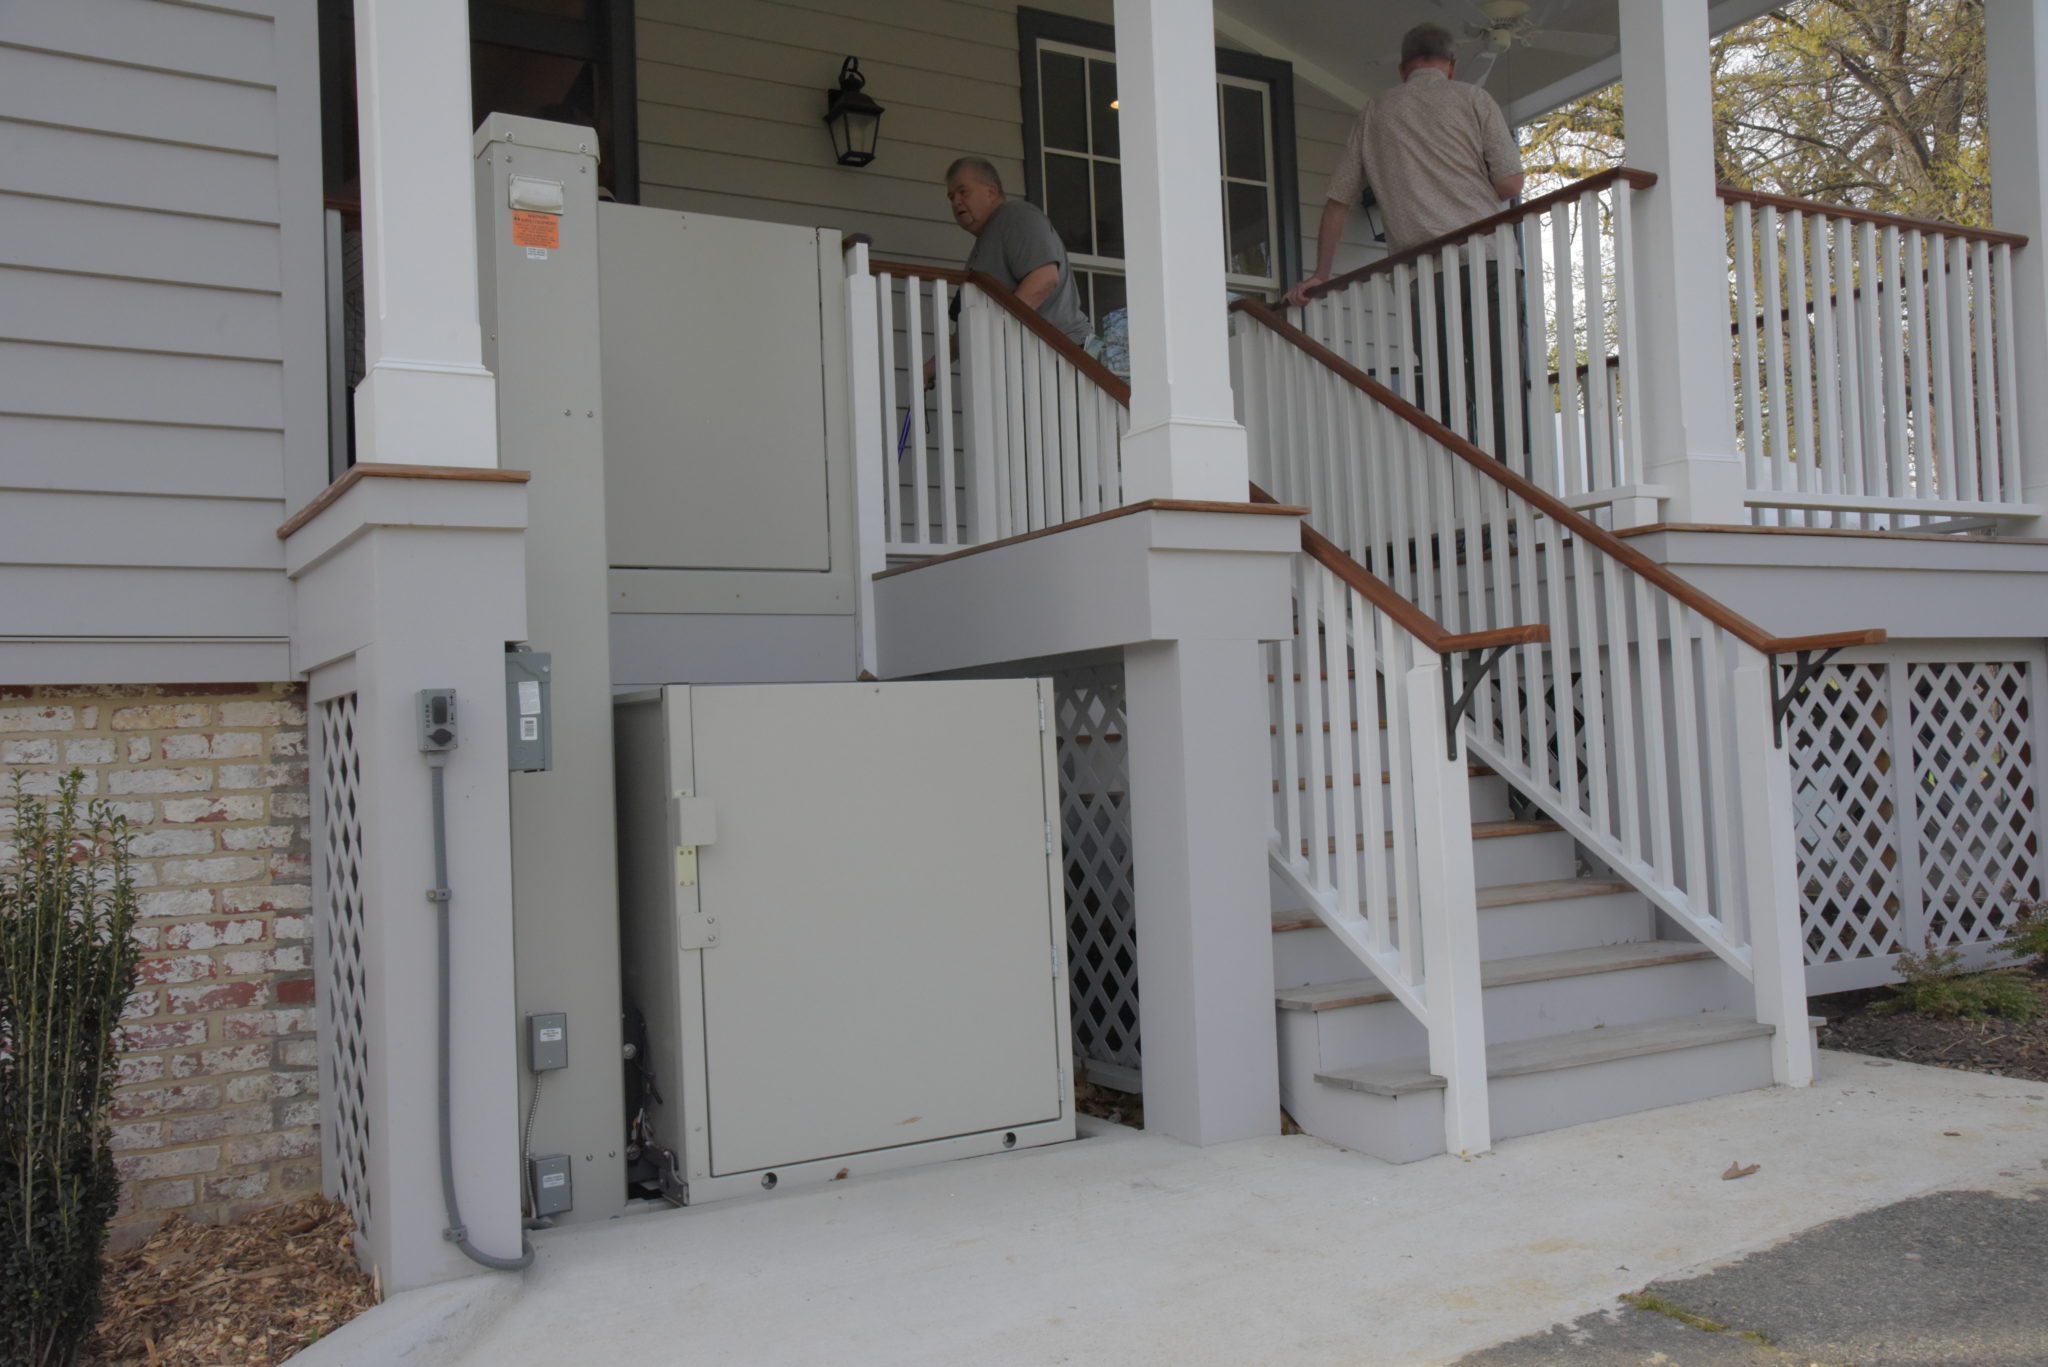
(1590, 1010)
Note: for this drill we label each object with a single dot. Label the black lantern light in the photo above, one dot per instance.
(855, 120)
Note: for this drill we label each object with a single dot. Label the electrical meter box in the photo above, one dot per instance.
(843, 921)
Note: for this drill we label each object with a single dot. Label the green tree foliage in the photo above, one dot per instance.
(1876, 104)
(67, 967)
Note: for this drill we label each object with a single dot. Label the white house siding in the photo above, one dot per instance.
(161, 374)
(732, 98)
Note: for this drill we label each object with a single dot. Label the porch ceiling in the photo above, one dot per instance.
(1351, 47)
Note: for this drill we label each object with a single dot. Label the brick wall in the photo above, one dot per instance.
(216, 1113)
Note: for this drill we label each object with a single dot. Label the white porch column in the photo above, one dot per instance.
(2016, 39)
(1681, 291)
(1200, 809)
(426, 398)
(1184, 439)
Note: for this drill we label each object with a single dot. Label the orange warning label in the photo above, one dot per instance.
(530, 229)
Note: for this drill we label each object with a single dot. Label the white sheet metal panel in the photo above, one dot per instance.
(886, 971)
(714, 392)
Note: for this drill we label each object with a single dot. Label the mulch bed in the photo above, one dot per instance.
(2004, 1047)
(254, 1292)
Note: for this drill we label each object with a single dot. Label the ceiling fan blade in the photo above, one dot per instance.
(1563, 40)
(1480, 66)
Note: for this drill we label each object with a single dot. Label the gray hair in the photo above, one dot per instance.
(981, 168)
(1426, 43)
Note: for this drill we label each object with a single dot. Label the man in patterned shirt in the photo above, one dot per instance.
(1438, 155)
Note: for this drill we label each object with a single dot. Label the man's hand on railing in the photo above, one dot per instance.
(1298, 296)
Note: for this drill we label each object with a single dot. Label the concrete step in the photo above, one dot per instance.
(1357, 1022)
(1503, 851)
(1486, 792)
(1394, 1110)
(1515, 919)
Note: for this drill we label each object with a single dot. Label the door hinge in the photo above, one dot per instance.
(1041, 714)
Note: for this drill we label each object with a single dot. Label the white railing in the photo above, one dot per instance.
(1874, 366)
(1644, 724)
(1517, 333)
(1372, 817)
(1020, 431)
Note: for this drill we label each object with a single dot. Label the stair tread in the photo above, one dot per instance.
(1501, 895)
(1301, 784)
(1548, 1053)
(1481, 830)
(1526, 968)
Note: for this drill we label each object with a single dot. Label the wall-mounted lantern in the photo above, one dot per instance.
(855, 120)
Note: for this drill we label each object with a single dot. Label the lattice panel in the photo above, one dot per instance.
(1851, 898)
(343, 992)
(1095, 815)
(1973, 779)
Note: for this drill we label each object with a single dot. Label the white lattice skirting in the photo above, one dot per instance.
(1917, 783)
(343, 992)
(1095, 816)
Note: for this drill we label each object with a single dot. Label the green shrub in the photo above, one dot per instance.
(1934, 984)
(2028, 943)
(67, 967)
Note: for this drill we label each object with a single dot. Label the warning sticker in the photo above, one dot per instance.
(530, 229)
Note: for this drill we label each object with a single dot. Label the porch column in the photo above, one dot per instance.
(1184, 440)
(2016, 40)
(1681, 291)
(426, 398)
(1200, 810)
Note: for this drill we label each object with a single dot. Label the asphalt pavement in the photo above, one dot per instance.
(1957, 1278)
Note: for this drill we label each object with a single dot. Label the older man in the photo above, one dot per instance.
(1016, 244)
(1437, 153)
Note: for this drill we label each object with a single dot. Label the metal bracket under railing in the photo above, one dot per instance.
(1810, 664)
(1458, 702)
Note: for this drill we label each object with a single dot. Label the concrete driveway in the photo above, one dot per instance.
(1125, 1249)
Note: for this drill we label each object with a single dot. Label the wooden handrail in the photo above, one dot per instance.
(1388, 599)
(1904, 224)
(1105, 379)
(1580, 526)
(1641, 180)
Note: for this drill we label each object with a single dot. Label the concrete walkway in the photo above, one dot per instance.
(1123, 1249)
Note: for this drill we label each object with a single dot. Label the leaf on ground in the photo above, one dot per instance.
(1736, 1169)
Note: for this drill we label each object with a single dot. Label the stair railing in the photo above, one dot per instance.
(1372, 817)
(1876, 383)
(1647, 724)
(1537, 297)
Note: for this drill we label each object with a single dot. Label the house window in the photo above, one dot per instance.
(1073, 158)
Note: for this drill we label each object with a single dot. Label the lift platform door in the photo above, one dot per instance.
(867, 957)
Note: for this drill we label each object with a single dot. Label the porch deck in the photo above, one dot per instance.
(1128, 1249)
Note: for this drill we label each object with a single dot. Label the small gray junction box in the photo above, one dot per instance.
(547, 1041)
(552, 1190)
(529, 711)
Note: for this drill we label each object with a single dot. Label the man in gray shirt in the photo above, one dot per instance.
(1016, 244)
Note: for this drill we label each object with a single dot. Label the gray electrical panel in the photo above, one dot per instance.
(529, 711)
(547, 1041)
(843, 918)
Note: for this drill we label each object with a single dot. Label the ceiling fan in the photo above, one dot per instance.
(1494, 27)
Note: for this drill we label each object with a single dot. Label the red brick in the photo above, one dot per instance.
(144, 1135)
(234, 808)
(262, 1024)
(215, 997)
(293, 897)
(240, 1186)
(230, 1058)
(168, 1163)
(175, 968)
(162, 1100)
(295, 991)
(269, 1148)
(147, 1036)
(213, 934)
(132, 1069)
(166, 1195)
